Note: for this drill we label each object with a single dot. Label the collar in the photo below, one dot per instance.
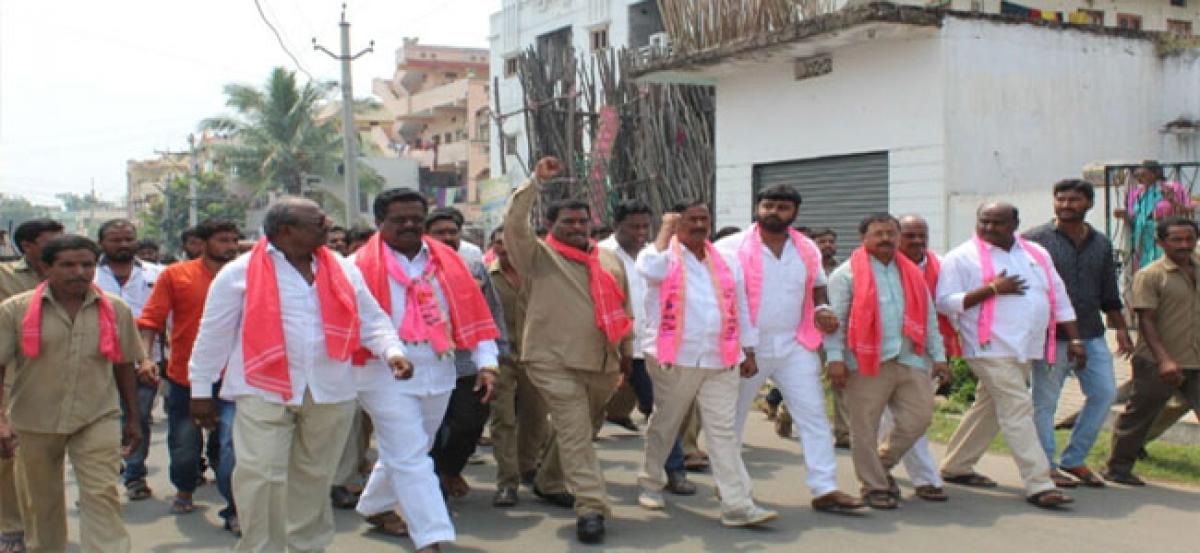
(23, 266)
(1172, 267)
(424, 251)
(103, 262)
(1091, 232)
(90, 296)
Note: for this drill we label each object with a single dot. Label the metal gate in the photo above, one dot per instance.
(837, 191)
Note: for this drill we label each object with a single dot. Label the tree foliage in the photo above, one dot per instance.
(213, 199)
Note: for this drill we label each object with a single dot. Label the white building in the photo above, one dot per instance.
(911, 110)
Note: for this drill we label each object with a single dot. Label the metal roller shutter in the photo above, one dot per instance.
(837, 191)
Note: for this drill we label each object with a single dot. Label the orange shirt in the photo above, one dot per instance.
(179, 294)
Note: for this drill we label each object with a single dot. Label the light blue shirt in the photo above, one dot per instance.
(891, 313)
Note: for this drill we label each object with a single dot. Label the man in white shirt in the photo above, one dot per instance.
(698, 333)
(1006, 296)
(122, 274)
(784, 283)
(294, 400)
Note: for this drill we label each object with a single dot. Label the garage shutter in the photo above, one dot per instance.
(837, 192)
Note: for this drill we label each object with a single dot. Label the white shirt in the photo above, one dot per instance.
(699, 346)
(431, 375)
(469, 252)
(219, 343)
(637, 291)
(1020, 322)
(135, 292)
(781, 306)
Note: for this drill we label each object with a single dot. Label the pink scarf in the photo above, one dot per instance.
(864, 332)
(31, 325)
(264, 352)
(607, 295)
(987, 310)
(750, 255)
(470, 320)
(672, 302)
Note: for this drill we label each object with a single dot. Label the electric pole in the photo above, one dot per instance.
(194, 174)
(349, 133)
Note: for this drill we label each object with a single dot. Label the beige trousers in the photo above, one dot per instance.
(284, 470)
(354, 455)
(715, 392)
(1003, 402)
(907, 393)
(519, 427)
(575, 400)
(95, 452)
(10, 513)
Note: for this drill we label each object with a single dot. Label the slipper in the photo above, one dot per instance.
(880, 499)
(1049, 499)
(1085, 476)
(388, 523)
(182, 506)
(1061, 480)
(931, 493)
(971, 479)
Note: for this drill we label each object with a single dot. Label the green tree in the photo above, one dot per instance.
(213, 199)
(15, 210)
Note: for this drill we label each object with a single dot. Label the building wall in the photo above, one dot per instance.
(1154, 13)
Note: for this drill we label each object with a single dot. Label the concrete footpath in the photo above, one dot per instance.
(1159, 518)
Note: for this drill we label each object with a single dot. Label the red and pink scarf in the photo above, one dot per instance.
(864, 334)
(470, 320)
(672, 303)
(606, 292)
(933, 267)
(987, 309)
(264, 351)
(751, 257)
(31, 325)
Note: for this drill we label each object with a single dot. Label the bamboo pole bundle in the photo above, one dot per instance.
(699, 25)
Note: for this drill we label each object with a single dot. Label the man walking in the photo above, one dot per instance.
(283, 322)
(1167, 357)
(632, 220)
(888, 335)
(577, 336)
(178, 298)
(1084, 260)
(826, 240)
(785, 290)
(1009, 302)
(72, 349)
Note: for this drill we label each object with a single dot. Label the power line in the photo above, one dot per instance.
(282, 45)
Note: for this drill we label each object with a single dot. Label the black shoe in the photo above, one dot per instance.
(590, 528)
(528, 477)
(561, 499)
(624, 422)
(505, 497)
(678, 484)
(343, 498)
(1126, 478)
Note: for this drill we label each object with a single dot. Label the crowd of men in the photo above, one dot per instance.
(279, 359)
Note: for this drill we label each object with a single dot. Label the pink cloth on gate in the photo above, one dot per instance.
(750, 254)
(987, 310)
(672, 302)
(31, 326)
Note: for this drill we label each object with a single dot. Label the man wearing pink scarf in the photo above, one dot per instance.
(1006, 297)
(698, 335)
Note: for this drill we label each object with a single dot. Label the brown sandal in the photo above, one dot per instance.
(881, 499)
(971, 479)
(1049, 499)
(1085, 476)
(931, 493)
(388, 523)
(1061, 480)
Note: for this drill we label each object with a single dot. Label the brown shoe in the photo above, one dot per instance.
(455, 486)
(837, 501)
(931, 493)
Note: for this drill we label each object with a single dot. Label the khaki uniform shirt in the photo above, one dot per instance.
(15, 277)
(514, 301)
(70, 384)
(560, 323)
(1175, 299)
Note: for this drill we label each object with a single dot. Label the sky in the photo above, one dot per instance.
(87, 85)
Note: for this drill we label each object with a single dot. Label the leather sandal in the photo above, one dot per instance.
(971, 479)
(931, 493)
(1049, 499)
(388, 523)
(1085, 476)
(837, 501)
(1061, 480)
(881, 499)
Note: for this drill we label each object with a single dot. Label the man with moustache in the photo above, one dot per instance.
(577, 337)
(1084, 260)
(339, 240)
(193, 246)
(1009, 303)
(21, 275)
(122, 274)
(279, 329)
(1166, 359)
(71, 348)
(785, 290)
(177, 304)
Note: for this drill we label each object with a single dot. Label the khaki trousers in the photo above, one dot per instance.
(354, 455)
(716, 392)
(95, 452)
(1003, 402)
(519, 427)
(10, 513)
(906, 392)
(575, 400)
(690, 430)
(285, 466)
(621, 405)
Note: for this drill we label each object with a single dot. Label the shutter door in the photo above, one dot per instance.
(837, 192)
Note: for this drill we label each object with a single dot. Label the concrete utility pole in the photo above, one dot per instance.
(195, 172)
(349, 137)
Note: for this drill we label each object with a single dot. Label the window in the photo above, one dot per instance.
(1179, 28)
(599, 39)
(1129, 21)
(1094, 17)
(510, 67)
(510, 144)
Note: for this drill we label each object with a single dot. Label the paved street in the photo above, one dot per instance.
(1158, 518)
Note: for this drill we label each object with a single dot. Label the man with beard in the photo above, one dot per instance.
(122, 274)
(785, 290)
(178, 298)
(1084, 260)
(71, 348)
(577, 336)
(18, 276)
(193, 246)
(1165, 361)
(1009, 303)
(882, 354)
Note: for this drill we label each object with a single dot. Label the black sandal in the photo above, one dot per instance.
(971, 479)
(1049, 499)
(881, 499)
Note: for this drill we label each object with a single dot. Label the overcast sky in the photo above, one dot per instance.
(86, 85)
